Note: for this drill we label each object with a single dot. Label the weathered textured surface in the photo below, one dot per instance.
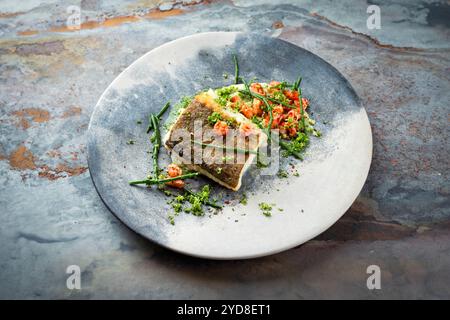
(51, 216)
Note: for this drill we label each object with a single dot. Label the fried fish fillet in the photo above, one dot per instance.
(193, 142)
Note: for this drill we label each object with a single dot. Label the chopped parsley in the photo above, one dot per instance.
(300, 142)
(243, 200)
(180, 199)
(266, 209)
(282, 173)
(196, 206)
(197, 200)
(214, 117)
(224, 94)
(192, 202)
(279, 95)
(297, 145)
(177, 207)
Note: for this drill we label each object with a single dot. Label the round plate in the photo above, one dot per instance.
(330, 178)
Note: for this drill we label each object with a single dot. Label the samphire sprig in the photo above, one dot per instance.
(158, 116)
(152, 181)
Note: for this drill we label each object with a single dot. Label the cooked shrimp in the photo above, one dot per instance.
(257, 107)
(291, 95)
(176, 184)
(247, 111)
(174, 171)
(257, 87)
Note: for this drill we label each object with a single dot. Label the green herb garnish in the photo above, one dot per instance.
(296, 84)
(160, 181)
(282, 174)
(224, 95)
(244, 199)
(204, 196)
(272, 99)
(266, 209)
(296, 146)
(156, 140)
(236, 69)
(214, 117)
(196, 201)
(177, 207)
(158, 116)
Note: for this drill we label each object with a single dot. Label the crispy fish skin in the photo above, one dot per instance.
(215, 163)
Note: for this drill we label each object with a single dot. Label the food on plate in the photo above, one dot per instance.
(218, 133)
(223, 132)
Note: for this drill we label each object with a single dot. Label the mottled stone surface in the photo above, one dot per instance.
(51, 216)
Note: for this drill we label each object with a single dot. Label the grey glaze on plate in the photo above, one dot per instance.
(330, 178)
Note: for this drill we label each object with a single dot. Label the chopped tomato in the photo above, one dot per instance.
(257, 107)
(293, 113)
(305, 103)
(292, 131)
(278, 109)
(275, 122)
(257, 87)
(174, 171)
(176, 184)
(235, 98)
(246, 129)
(221, 128)
(291, 95)
(247, 111)
(297, 104)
